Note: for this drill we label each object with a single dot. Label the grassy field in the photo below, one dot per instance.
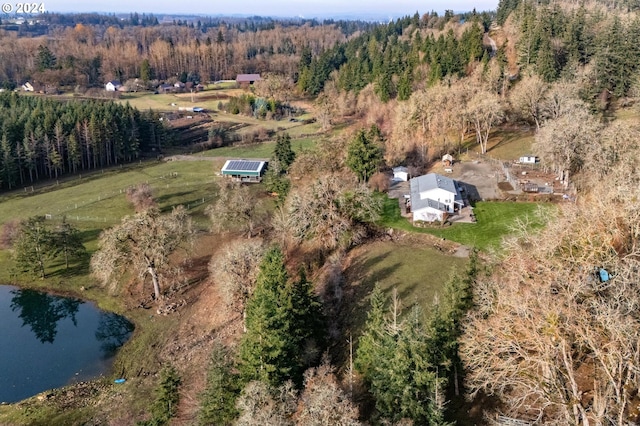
(92, 204)
(261, 150)
(504, 144)
(100, 197)
(210, 100)
(417, 273)
(495, 220)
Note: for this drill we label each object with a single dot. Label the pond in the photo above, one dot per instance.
(49, 341)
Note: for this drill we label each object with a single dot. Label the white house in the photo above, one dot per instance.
(400, 174)
(528, 159)
(112, 86)
(27, 87)
(434, 196)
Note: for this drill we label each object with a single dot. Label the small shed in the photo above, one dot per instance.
(401, 174)
(529, 159)
(447, 159)
(244, 170)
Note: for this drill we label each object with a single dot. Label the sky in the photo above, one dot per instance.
(279, 8)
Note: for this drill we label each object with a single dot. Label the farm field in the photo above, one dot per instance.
(260, 150)
(209, 100)
(101, 200)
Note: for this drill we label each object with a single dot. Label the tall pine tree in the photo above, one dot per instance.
(280, 318)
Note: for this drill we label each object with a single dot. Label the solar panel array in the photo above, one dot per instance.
(245, 166)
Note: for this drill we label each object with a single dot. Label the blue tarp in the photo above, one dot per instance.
(604, 275)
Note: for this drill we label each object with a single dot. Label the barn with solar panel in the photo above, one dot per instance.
(244, 170)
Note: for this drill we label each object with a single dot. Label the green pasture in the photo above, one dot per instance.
(260, 150)
(100, 199)
(495, 220)
(417, 273)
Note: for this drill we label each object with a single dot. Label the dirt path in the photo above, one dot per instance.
(492, 43)
(203, 158)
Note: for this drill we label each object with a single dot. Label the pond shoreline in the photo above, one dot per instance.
(62, 339)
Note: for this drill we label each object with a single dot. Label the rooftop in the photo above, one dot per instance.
(243, 167)
(247, 78)
(430, 182)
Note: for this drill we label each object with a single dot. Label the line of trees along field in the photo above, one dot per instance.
(42, 138)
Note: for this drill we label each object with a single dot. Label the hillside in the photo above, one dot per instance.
(315, 292)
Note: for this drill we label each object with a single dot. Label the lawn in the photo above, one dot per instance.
(495, 221)
(417, 272)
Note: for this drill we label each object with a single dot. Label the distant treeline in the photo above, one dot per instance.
(202, 23)
(43, 138)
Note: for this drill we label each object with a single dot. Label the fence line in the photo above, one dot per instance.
(156, 182)
(189, 206)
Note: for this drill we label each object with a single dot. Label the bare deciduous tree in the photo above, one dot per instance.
(261, 405)
(323, 402)
(141, 197)
(274, 86)
(332, 211)
(563, 142)
(561, 99)
(484, 111)
(143, 242)
(550, 336)
(528, 98)
(234, 208)
(325, 110)
(236, 272)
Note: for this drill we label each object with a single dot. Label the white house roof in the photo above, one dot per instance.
(427, 183)
(433, 181)
(400, 169)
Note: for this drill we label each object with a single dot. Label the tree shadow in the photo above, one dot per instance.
(113, 331)
(41, 312)
(165, 198)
